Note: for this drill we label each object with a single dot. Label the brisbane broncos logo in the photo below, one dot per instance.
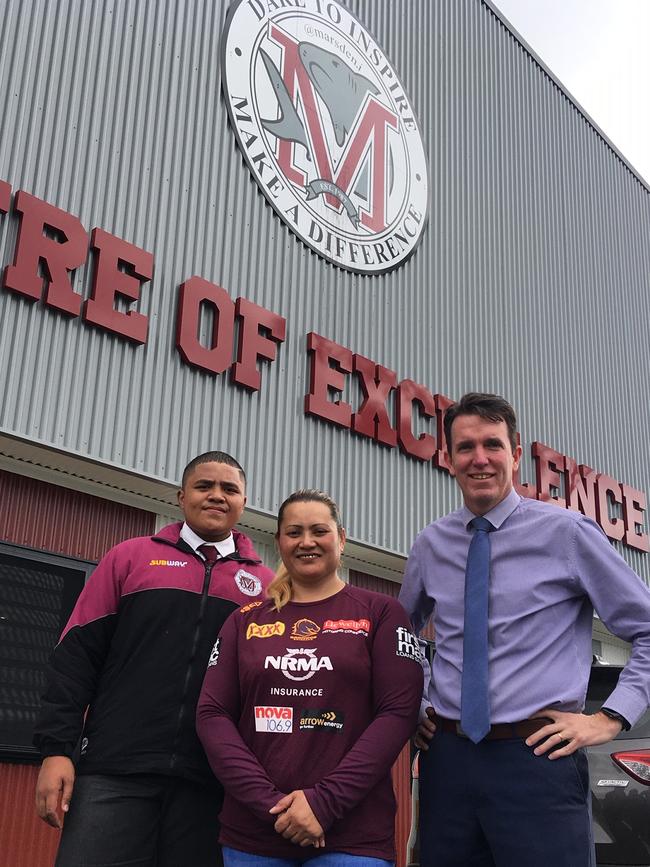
(304, 630)
(327, 130)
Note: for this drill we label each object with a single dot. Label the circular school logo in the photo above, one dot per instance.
(249, 584)
(327, 130)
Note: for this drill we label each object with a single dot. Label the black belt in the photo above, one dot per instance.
(498, 731)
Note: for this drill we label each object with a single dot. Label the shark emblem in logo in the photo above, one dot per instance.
(342, 90)
(288, 126)
(343, 93)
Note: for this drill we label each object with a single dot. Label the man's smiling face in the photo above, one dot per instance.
(212, 500)
(482, 460)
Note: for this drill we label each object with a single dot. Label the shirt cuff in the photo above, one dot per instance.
(49, 749)
(319, 809)
(625, 701)
(614, 714)
(423, 710)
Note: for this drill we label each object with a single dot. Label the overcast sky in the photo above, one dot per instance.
(599, 50)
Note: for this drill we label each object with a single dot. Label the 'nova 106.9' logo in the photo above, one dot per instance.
(327, 130)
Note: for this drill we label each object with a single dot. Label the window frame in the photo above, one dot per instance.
(19, 752)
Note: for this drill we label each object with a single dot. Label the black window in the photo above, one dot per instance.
(37, 593)
(601, 684)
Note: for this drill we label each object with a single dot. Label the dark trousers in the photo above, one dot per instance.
(140, 821)
(496, 804)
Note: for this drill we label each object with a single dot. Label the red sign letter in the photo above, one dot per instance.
(442, 404)
(253, 343)
(524, 489)
(408, 393)
(372, 419)
(633, 508)
(325, 378)
(581, 488)
(59, 257)
(607, 488)
(5, 196)
(217, 357)
(109, 281)
(549, 466)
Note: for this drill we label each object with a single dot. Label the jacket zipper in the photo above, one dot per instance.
(190, 665)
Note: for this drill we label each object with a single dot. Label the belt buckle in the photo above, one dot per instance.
(460, 732)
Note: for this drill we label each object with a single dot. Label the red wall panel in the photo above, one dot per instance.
(62, 521)
(371, 582)
(25, 841)
(402, 767)
(57, 519)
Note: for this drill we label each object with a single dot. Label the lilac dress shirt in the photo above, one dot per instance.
(550, 568)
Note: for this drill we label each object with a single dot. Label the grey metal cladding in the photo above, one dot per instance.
(531, 279)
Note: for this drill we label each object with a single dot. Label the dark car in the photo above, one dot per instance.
(620, 786)
(620, 783)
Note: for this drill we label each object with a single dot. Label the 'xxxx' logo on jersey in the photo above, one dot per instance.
(327, 130)
(264, 630)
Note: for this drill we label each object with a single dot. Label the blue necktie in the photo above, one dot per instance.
(475, 702)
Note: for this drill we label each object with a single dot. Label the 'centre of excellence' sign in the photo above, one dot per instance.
(327, 130)
(394, 412)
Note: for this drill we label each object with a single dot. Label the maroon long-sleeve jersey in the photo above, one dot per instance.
(318, 696)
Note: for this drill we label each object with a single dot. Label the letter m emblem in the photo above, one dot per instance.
(361, 136)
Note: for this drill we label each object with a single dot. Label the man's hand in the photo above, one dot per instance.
(55, 780)
(425, 731)
(297, 822)
(572, 730)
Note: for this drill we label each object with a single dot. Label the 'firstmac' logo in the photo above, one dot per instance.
(407, 644)
(327, 130)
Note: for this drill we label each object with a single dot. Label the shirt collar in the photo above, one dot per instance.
(498, 514)
(224, 548)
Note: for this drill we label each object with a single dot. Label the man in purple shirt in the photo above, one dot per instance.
(520, 795)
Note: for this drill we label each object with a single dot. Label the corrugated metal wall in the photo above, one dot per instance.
(25, 841)
(59, 520)
(62, 521)
(531, 279)
(402, 767)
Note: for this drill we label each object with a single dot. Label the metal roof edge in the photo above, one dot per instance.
(538, 60)
(48, 464)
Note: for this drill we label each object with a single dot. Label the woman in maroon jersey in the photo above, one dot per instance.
(307, 700)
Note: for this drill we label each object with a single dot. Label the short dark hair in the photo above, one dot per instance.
(209, 458)
(488, 406)
(311, 495)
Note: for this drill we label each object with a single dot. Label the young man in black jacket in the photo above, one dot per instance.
(125, 678)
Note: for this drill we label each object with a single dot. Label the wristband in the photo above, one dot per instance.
(612, 714)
